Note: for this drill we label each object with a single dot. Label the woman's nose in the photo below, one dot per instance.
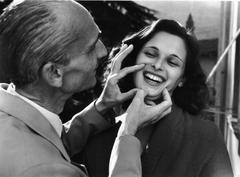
(158, 65)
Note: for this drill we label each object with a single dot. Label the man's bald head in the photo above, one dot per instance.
(71, 16)
(35, 32)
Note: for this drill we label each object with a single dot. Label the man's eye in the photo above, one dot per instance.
(91, 48)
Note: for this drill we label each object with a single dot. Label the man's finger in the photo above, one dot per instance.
(169, 110)
(166, 95)
(139, 95)
(119, 58)
(129, 70)
(161, 107)
(162, 115)
(123, 47)
(129, 94)
(150, 103)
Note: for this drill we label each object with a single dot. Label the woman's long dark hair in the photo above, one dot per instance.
(193, 95)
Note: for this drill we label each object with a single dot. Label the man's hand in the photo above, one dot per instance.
(111, 94)
(139, 114)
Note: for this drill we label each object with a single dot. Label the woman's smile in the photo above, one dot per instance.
(164, 58)
(153, 79)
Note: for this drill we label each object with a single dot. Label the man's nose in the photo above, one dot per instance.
(102, 51)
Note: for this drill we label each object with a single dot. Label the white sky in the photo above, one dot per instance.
(206, 14)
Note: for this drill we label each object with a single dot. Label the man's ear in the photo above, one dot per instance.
(52, 74)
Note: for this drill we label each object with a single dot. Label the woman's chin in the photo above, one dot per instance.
(156, 99)
(154, 94)
(153, 97)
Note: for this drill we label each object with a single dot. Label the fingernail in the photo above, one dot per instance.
(123, 46)
(130, 46)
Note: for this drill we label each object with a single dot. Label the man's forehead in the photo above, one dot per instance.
(74, 19)
(90, 38)
(86, 37)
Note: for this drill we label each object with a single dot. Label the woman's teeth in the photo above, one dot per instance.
(154, 77)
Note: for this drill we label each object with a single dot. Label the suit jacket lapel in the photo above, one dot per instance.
(32, 118)
(163, 135)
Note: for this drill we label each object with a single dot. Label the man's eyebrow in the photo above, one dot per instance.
(94, 43)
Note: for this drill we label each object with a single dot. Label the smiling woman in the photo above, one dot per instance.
(171, 146)
(172, 54)
(165, 56)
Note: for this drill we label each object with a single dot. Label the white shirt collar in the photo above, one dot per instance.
(53, 118)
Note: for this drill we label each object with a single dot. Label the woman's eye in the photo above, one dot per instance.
(150, 54)
(173, 63)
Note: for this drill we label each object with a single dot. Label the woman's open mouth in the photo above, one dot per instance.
(153, 79)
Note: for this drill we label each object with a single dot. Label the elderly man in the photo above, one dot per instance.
(49, 51)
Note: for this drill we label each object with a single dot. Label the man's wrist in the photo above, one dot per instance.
(127, 129)
(100, 107)
(107, 113)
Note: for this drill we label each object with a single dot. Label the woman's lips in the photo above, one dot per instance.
(153, 79)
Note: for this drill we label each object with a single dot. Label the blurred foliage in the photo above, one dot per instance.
(116, 19)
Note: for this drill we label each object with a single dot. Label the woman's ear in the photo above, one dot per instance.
(181, 83)
(52, 74)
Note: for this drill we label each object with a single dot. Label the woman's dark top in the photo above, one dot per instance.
(181, 145)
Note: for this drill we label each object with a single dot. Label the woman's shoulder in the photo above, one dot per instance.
(202, 127)
(193, 125)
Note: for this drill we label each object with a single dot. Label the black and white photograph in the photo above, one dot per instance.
(131, 88)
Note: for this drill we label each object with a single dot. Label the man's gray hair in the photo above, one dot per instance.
(30, 36)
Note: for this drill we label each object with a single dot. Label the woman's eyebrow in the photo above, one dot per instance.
(151, 47)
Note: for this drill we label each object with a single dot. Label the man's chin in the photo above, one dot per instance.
(91, 86)
(93, 82)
